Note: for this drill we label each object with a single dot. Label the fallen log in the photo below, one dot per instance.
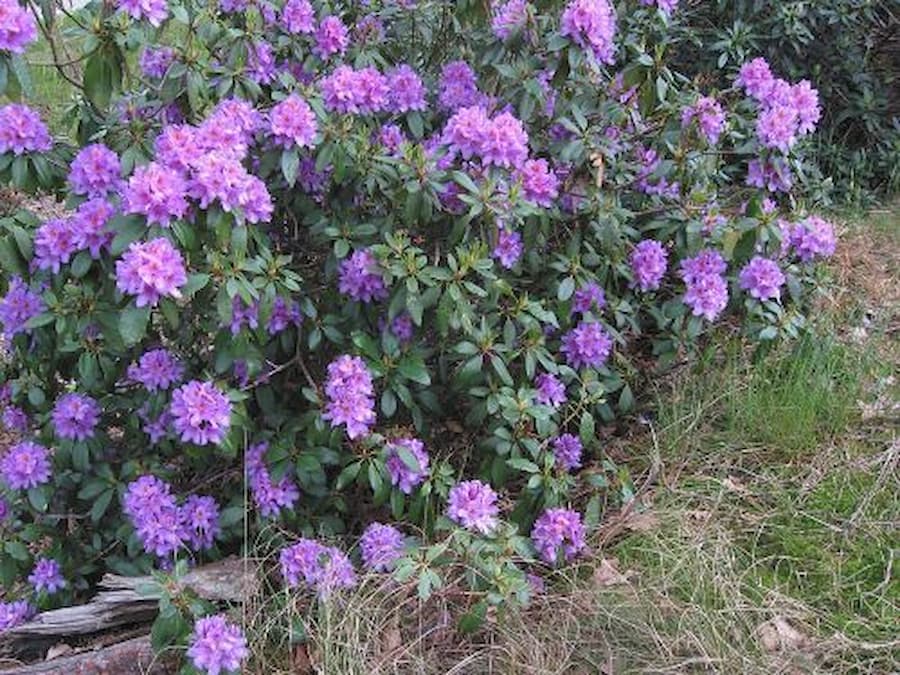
(130, 657)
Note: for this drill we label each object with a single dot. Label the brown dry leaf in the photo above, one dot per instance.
(607, 573)
(455, 427)
(778, 635)
(391, 639)
(643, 521)
(57, 650)
(300, 661)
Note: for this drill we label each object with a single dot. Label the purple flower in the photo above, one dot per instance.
(406, 91)
(200, 518)
(591, 24)
(284, 314)
(811, 238)
(13, 614)
(558, 531)
(540, 184)
(75, 416)
(465, 130)
(402, 327)
(233, 5)
(18, 306)
(587, 345)
(649, 261)
(407, 463)
(55, 242)
(665, 6)
(773, 174)
(777, 127)
(350, 396)
(177, 146)
(156, 369)
(158, 192)
(151, 271)
(150, 505)
(707, 295)
(587, 297)
(298, 16)
(261, 63)
(155, 11)
(202, 413)
(156, 429)
(706, 263)
(381, 546)
(567, 451)
(270, 497)
(508, 17)
(504, 142)
(762, 278)
(391, 137)
(46, 576)
(509, 247)
(293, 123)
(25, 465)
(368, 30)
(17, 27)
(243, 314)
(22, 131)
(217, 646)
(90, 226)
(710, 118)
(363, 91)
(155, 61)
(95, 171)
(457, 86)
(325, 568)
(360, 277)
(473, 505)
(219, 176)
(331, 38)
(15, 419)
(805, 100)
(550, 391)
(756, 78)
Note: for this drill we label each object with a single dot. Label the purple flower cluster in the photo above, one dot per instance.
(95, 171)
(707, 290)
(786, 111)
(473, 505)
(587, 298)
(162, 526)
(558, 532)
(46, 576)
(762, 278)
(550, 391)
(458, 86)
(243, 314)
(22, 131)
(158, 192)
(539, 182)
(298, 16)
(17, 27)
(270, 496)
(509, 247)
(665, 6)
(201, 413)
(360, 277)
(55, 242)
(710, 118)
(809, 239)
(773, 174)
(350, 395)
(649, 261)
(501, 140)
(381, 546)
(587, 345)
(91, 226)
(75, 416)
(406, 91)
(331, 38)
(18, 306)
(407, 463)
(284, 314)
(156, 369)
(14, 419)
(591, 24)
(567, 451)
(25, 465)
(325, 568)
(155, 11)
(151, 271)
(362, 92)
(647, 182)
(218, 176)
(155, 61)
(293, 123)
(508, 17)
(13, 614)
(217, 646)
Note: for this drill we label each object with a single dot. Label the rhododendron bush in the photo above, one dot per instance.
(389, 266)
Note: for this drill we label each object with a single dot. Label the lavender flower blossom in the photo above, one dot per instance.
(567, 451)
(75, 416)
(473, 505)
(407, 463)
(587, 345)
(202, 413)
(558, 532)
(217, 646)
(350, 396)
(25, 465)
(47, 576)
(381, 546)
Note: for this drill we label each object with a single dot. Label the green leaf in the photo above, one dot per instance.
(101, 505)
(16, 549)
(133, 324)
(290, 162)
(566, 288)
(586, 428)
(102, 75)
(472, 620)
(39, 498)
(81, 264)
(523, 465)
(413, 368)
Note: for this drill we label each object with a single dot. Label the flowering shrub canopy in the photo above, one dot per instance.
(391, 263)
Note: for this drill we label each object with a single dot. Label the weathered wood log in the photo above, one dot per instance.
(130, 657)
(120, 603)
